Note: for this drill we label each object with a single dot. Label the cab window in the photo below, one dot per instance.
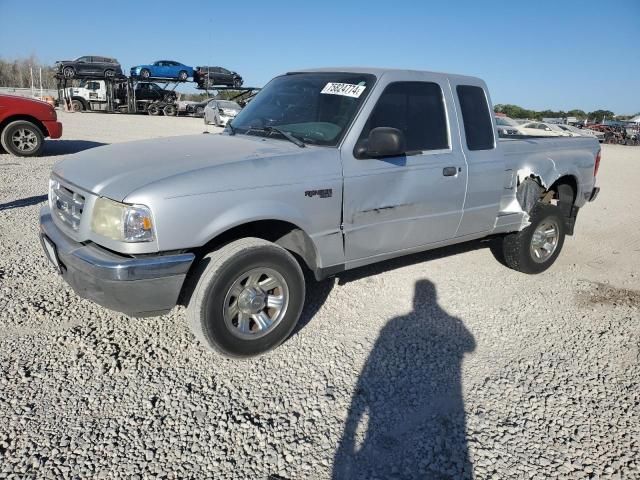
(415, 108)
(476, 117)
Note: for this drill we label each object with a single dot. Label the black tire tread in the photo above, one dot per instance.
(4, 134)
(217, 260)
(515, 245)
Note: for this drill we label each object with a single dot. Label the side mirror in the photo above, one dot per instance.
(382, 142)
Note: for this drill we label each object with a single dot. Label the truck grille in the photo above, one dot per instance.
(67, 205)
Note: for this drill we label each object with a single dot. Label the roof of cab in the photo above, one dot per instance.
(378, 71)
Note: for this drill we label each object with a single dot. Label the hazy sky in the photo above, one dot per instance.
(557, 54)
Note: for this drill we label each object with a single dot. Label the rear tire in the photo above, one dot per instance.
(153, 110)
(248, 298)
(170, 110)
(22, 139)
(535, 248)
(109, 73)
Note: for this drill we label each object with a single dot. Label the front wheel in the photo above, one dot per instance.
(248, 298)
(22, 139)
(68, 72)
(535, 248)
(182, 76)
(77, 106)
(145, 73)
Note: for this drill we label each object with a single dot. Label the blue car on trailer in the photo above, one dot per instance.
(163, 69)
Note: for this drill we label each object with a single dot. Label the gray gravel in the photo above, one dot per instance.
(444, 365)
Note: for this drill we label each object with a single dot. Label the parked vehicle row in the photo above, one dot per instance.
(508, 127)
(107, 67)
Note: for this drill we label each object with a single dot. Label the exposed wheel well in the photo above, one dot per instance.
(287, 235)
(27, 118)
(561, 192)
(565, 191)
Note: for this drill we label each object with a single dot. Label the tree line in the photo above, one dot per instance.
(515, 111)
(17, 73)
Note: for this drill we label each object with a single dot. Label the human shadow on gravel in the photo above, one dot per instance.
(53, 148)
(23, 202)
(408, 404)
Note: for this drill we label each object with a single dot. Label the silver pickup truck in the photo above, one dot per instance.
(325, 170)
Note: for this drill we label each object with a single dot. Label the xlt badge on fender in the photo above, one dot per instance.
(325, 193)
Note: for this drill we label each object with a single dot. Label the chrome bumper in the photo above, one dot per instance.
(140, 286)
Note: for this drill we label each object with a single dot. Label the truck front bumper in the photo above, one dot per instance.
(54, 129)
(140, 286)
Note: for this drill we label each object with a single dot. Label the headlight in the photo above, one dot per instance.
(122, 222)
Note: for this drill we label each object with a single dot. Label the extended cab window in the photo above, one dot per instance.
(416, 108)
(476, 117)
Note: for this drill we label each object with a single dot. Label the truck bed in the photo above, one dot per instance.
(544, 158)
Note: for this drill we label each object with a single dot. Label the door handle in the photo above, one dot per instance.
(449, 171)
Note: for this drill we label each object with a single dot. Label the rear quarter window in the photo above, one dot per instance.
(476, 117)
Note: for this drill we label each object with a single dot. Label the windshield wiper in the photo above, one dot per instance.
(287, 135)
(269, 129)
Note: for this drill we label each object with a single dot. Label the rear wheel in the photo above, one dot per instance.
(22, 139)
(109, 73)
(535, 248)
(248, 298)
(170, 110)
(153, 110)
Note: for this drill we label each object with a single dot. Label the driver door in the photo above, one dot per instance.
(413, 200)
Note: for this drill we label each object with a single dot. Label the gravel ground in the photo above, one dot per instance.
(442, 365)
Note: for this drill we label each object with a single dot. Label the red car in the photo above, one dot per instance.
(24, 123)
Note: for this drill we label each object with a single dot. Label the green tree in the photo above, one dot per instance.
(599, 115)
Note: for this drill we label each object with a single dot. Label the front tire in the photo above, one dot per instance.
(145, 73)
(182, 76)
(77, 106)
(68, 72)
(22, 139)
(535, 248)
(248, 298)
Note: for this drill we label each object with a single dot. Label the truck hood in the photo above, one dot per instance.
(115, 171)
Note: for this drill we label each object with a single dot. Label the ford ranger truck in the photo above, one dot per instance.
(325, 171)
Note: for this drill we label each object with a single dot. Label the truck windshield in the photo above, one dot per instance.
(315, 107)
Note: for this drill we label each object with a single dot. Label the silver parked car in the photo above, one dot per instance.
(219, 112)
